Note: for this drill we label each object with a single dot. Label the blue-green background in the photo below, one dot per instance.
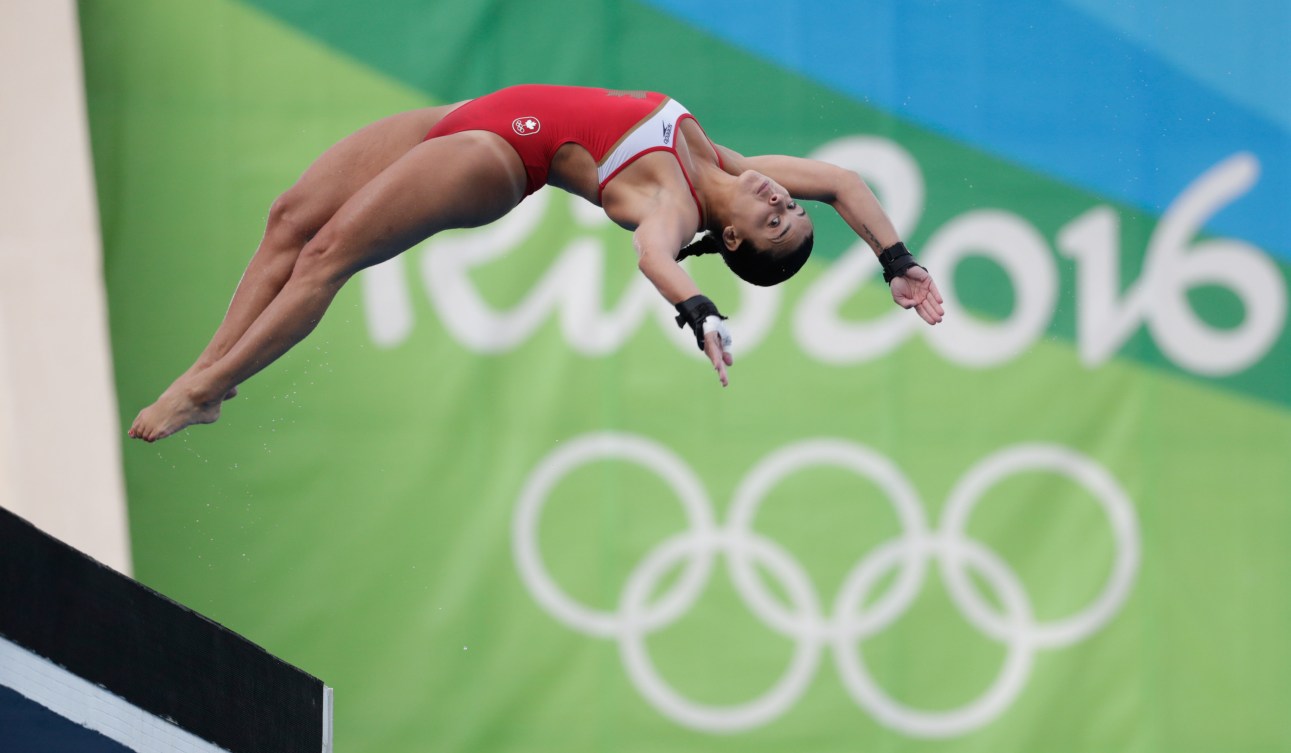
(352, 509)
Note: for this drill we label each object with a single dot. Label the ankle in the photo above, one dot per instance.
(197, 388)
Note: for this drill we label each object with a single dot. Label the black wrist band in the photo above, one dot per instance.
(694, 311)
(896, 259)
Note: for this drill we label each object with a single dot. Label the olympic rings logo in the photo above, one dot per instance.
(853, 617)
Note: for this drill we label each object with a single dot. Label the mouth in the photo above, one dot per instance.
(766, 184)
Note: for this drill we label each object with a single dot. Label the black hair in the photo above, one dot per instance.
(753, 266)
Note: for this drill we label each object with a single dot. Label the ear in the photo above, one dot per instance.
(730, 238)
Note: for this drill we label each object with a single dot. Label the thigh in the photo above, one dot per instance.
(461, 180)
(352, 162)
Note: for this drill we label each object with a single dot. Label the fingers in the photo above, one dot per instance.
(720, 357)
(930, 311)
(715, 345)
(930, 307)
(918, 291)
(720, 362)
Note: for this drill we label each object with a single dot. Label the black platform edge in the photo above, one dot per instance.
(153, 652)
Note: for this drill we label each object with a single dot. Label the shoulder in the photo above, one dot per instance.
(731, 161)
(653, 188)
(664, 231)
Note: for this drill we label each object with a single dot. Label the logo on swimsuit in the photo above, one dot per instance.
(667, 133)
(526, 126)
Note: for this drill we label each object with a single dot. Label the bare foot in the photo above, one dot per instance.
(175, 410)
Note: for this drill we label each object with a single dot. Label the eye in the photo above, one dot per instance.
(792, 205)
(775, 222)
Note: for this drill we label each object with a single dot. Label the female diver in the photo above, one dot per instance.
(640, 156)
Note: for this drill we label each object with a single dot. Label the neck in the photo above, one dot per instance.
(716, 188)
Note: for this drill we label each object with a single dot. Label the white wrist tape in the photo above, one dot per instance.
(715, 324)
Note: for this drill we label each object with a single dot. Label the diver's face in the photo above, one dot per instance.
(765, 215)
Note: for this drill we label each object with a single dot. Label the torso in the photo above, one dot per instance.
(645, 161)
(651, 178)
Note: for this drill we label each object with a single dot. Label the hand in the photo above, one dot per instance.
(916, 290)
(717, 348)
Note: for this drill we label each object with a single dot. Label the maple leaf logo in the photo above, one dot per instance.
(526, 126)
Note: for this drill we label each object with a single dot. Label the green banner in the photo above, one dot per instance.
(499, 502)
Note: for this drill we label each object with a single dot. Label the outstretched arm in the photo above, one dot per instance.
(657, 241)
(851, 197)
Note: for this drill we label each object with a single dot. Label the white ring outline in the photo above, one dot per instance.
(734, 718)
(598, 446)
(635, 619)
(1095, 480)
(865, 463)
(919, 723)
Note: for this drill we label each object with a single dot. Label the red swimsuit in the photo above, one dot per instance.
(614, 127)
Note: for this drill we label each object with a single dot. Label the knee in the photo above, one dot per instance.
(319, 260)
(291, 223)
